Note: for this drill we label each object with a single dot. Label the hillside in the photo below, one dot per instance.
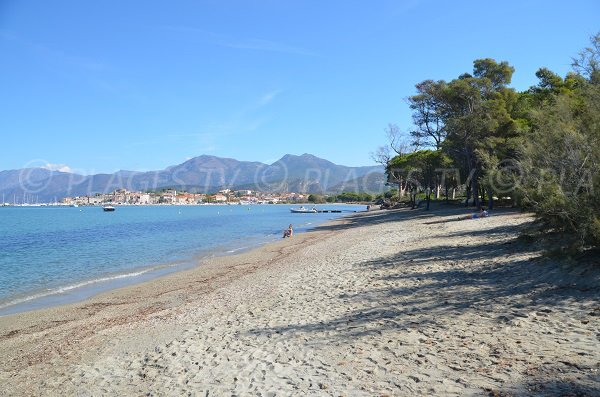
(305, 173)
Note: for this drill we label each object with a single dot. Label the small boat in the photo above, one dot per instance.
(108, 208)
(303, 210)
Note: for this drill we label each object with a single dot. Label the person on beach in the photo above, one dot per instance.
(288, 232)
(481, 214)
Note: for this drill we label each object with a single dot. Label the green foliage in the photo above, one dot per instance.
(541, 146)
(561, 163)
(423, 170)
(427, 116)
(390, 194)
(485, 122)
(316, 199)
(350, 197)
(498, 74)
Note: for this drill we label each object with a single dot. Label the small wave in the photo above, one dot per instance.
(236, 250)
(62, 290)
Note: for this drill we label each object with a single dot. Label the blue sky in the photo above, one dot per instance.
(141, 85)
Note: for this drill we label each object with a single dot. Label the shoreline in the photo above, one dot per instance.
(192, 265)
(81, 290)
(386, 302)
(130, 307)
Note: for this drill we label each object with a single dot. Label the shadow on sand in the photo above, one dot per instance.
(495, 271)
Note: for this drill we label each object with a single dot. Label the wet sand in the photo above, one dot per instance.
(382, 303)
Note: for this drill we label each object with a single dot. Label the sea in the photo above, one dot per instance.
(56, 255)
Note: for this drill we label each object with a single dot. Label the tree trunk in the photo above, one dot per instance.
(401, 189)
(428, 196)
(475, 190)
(490, 199)
(468, 194)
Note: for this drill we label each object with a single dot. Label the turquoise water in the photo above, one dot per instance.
(55, 255)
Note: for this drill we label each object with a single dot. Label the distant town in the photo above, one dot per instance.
(174, 197)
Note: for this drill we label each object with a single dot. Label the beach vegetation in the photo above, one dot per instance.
(349, 197)
(421, 171)
(392, 193)
(316, 199)
(539, 149)
(560, 163)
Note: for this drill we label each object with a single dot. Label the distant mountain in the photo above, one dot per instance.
(373, 182)
(308, 173)
(36, 184)
(305, 173)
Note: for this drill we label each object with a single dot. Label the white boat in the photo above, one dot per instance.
(303, 210)
(108, 208)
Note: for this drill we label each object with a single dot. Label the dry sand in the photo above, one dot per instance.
(386, 303)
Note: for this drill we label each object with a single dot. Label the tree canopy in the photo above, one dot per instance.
(541, 146)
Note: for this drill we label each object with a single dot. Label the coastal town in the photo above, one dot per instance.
(174, 197)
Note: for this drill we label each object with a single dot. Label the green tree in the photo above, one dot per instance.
(316, 199)
(347, 197)
(389, 194)
(561, 160)
(423, 171)
(366, 197)
(481, 124)
(427, 114)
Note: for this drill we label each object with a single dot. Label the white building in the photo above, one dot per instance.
(144, 198)
(220, 198)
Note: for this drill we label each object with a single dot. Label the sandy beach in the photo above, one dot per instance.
(385, 303)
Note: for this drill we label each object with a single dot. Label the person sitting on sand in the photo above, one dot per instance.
(481, 214)
(288, 232)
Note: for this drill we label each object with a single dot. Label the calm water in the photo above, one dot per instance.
(54, 255)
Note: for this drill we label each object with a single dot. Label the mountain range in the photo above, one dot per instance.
(203, 174)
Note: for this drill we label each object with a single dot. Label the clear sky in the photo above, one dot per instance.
(98, 86)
